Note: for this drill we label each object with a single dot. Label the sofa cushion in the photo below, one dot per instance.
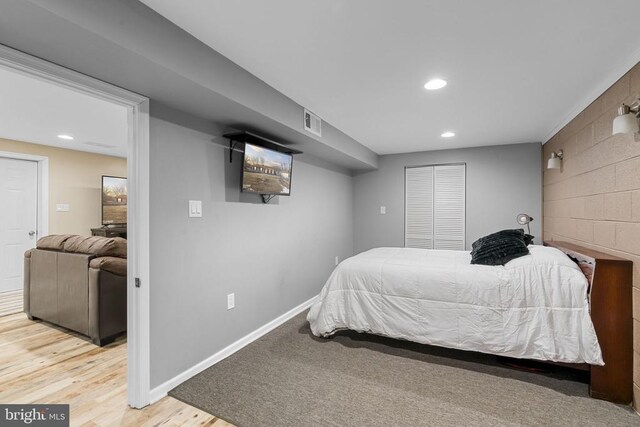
(53, 241)
(98, 246)
(117, 266)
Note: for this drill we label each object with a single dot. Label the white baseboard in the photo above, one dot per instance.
(162, 390)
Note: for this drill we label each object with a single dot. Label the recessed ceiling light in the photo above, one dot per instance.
(434, 84)
(67, 137)
(448, 134)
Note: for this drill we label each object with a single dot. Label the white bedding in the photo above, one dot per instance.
(534, 307)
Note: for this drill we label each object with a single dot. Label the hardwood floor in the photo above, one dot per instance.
(40, 363)
(10, 302)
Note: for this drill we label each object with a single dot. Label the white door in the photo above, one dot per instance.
(449, 212)
(18, 218)
(435, 207)
(418, 208)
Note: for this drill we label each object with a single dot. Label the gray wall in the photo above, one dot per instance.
(273, 257)
(502, 181)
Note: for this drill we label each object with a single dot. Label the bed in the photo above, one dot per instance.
(534, 307)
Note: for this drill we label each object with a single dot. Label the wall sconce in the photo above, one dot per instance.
(555, 161)
(627, 119)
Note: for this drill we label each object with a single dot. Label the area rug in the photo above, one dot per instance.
(291, 378)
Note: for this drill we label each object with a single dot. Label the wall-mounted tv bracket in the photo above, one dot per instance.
(232, 146)
(266, 198)
(252, 138)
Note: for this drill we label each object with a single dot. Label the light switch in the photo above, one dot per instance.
(62, 207)
(195, 209)
(383, 210)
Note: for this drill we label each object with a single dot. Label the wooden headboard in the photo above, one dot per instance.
(610, 278)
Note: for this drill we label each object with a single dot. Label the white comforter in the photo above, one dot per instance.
(534, 307)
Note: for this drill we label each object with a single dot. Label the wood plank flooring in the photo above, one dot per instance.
(10, 302)
(40, 363)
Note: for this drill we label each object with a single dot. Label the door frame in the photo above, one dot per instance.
(138, 334)
(42, 205)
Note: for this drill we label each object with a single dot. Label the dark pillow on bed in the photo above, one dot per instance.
(499, 236)
(517, 233)
(499, 248)
(528, 239)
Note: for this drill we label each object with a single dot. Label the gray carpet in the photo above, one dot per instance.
(291, 378)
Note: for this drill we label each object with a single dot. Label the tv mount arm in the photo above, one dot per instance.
(232, 147)
(266, 198)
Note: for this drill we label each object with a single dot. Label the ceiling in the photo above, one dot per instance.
(37, 111)
(517, 71)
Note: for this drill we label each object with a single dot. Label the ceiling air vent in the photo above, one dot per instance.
(99, 144)
(312, 123)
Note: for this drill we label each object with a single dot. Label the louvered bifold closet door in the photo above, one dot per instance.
(418, 208)
(449, 207)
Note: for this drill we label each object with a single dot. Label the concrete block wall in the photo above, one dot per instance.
(594, 200)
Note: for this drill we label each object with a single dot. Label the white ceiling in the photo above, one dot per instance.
(517, 70)
(32, 110)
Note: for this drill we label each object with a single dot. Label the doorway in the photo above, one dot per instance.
(138, 209)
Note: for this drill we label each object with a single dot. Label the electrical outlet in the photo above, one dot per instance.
(337, 260)
(383, 210)
(231, 301)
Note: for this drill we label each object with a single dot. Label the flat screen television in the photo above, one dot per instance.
(114, 200)
(266, 171)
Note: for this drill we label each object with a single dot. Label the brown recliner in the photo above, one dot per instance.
(79, 283)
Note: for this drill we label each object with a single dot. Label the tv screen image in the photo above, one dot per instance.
(266, 171)
(114, 200)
